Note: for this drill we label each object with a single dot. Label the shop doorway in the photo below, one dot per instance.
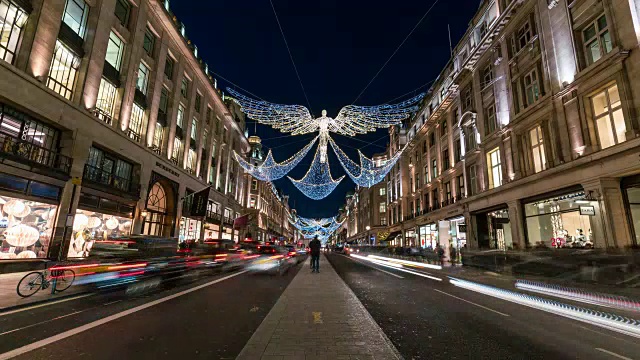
(161, 210)
(493, 230)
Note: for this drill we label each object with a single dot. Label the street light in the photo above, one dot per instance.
(144, 214)
(368, 228)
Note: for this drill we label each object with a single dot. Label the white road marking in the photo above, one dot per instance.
(395, 266)
(613, 354)
(45, 304)
(472, 303)
(83, 328)
(41, 322)
(112, 302)
(373, 267)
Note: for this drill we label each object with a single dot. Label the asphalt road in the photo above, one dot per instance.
(428, 319)
(209, 318)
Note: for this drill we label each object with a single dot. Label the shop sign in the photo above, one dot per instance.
(167, 169)
(462, 228)
(587, 210)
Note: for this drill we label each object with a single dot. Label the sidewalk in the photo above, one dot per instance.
(318, 317)
(9, 296)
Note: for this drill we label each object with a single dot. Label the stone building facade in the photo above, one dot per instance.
(109, 121)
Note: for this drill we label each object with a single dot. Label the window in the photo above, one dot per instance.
(608, 117)
(180, 117)
(494, 168)
(168, 67)
(470, 142)
(426, 173)
(443, 128)
(135, 122)
(490, 122)
(143, 78)
(12, 19)
(105, 101)
(123, 9)
(75, 16)
(597, 40)
(424, 147)
(383, 207)
(487, 75)
(63, 71)
(148, 42)
(467, 98)
(522, 37)
(383, 220)
(460, 186)
(434, 167)
(254, 184)
(537, 149)
(178, 150)
(106, 169)
(432, 139)
(191, 161)
(472, 174)
(184, 87)
(457, 156)
(164, 101)
(158, 137)
(435, 199)
(194, 128)
(198, 102)
(531, 83)
(445, 159)
(447, 191)
(383, 191)
(115, 49)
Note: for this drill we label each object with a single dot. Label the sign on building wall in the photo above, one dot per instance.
(587, 210)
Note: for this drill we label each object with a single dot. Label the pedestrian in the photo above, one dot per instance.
(440, 252)
(453, 254)
(315, 245)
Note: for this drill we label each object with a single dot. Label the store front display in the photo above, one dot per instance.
(560, 222)
(189, 229)
(90, 226)
(428, 235)
(493, 230)
(26, 228)
(211, 231)
(458, 231)
(410, 237)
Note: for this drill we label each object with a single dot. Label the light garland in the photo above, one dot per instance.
(320, 228)
(317, 183)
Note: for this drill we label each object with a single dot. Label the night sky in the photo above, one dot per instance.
(338, 46)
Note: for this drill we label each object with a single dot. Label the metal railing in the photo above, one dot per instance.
(99, 176)
(22, 150)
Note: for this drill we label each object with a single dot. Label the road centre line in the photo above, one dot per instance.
(375, 268)
(83, 328)
(45, 304)
(613, 354)
(471, 302)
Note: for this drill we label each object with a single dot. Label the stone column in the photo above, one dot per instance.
(516, 220)
(188, 118)
(609, 225)
(174, 104)
(156, 85)
(49, 19)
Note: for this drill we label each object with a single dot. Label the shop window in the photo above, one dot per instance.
(75, 16)
(115, 49)
(143, 78)
(27, 228)
(168, 67)
(490, 120)
(105, 102)
(596, 40)
(180, 117)
(178, 151)
(557, 223)
(537, 149)
(63, 71)
(90, 227)
(135, 122)
(12, 19)
(494, 230)
(608, 117)
(149, 42)
(122, 11)
(494, 167)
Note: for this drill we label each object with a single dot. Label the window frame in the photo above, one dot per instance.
(126, 5)
(149, 41)
(10, 48)
(60, 86)
(608, 113)
(494, 168)
(82, 26)
(120, 50)
(490, 120)
(537, 149)
(598, 37)
(145, 79)
(105, 103)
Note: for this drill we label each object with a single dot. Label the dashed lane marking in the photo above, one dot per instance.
(613, 354)
(471, 302)
(375, 268)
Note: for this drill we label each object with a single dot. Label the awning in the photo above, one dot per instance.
(392, 236)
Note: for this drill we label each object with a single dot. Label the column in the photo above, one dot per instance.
(48, 19)
(188, 118)
(609, 226)
(174, 103)
(155, 89)
(516, 220)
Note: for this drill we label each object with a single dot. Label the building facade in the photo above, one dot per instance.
(109, 120)
(529, 136)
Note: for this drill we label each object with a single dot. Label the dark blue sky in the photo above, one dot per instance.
(338, 46)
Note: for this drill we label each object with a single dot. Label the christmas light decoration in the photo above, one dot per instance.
(270, 170)
(367, 173)
(320, 228)
(317, 183)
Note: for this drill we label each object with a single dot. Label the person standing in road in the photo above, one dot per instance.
(315, 245)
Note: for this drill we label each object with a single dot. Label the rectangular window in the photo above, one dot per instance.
(105, 101)
(597, 40)
(424, 147)
(254, 184)
(194, 128)
(149, 42)
(383, 207)
(383, 220)
(143, 78)
(494, 168)
(435, 199)
(434, 168)
(164, 100)
(531, 84)
(472, 174)
(12, 19)
(180, 117)
(443, 128)
(490, 121)
(470, 142)
(383, 191)
(457, 156)
(191, 161)
(487, 75)
(75, 16)
(426, 173)
(63, 71)
(115, 49)
(135, 122)
(432, 139)
(608, 117)
(158, 137)
(467, 98)
(460, 187)
(447, 191)
(168, 67)
(107, 169)
(184, 88)
(537, 149)
(178, 151)
(445, 159)
(198, 102)
(522, 37)
(123, 9)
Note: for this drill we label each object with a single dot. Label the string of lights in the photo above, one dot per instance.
(317, 183)
(368, 173)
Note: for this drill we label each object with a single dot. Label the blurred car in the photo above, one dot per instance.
(297, 255)
(271, 259)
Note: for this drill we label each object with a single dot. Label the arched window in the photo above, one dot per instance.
(154, 224)
(157, 200)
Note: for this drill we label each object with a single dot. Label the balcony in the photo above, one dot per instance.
(110, 181)
(213, 217)
(133, 135)
(19, 150)
(103, 115)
